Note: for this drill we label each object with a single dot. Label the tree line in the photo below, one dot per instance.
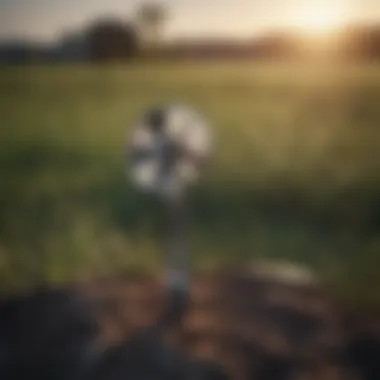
(112, 39)
(105, 39)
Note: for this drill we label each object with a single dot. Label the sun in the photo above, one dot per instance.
(318, 19)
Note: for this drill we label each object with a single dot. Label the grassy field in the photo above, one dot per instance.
(295, 175)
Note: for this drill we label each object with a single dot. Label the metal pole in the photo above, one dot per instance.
(177, 262)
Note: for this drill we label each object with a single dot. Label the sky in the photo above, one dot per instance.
(46, 20)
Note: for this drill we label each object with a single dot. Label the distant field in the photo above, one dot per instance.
(296, 171)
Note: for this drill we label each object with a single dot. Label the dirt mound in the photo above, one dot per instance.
(256, 326)
(238, 325)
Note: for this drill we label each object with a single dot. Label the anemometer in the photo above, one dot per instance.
(170, 149)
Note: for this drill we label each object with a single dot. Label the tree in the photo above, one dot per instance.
(361, 42)
(110, 40)
(151, 18)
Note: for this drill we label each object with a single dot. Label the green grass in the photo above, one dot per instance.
(295, 175)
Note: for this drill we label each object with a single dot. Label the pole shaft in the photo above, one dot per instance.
(177, 276)
(178, 251)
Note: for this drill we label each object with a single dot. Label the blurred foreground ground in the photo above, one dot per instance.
(243, 325)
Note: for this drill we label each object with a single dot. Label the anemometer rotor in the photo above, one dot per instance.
(170, 147)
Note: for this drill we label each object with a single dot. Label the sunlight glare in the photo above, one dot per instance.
(319, 18)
